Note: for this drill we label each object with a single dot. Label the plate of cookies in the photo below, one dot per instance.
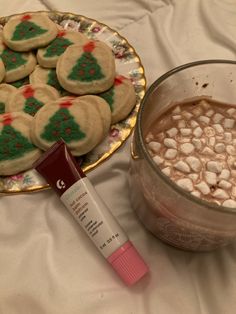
(63, 76)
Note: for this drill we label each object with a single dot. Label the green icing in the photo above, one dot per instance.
(21, 82)
(26, 30)
(13, 144)
(2, 107)
(32, 105)
(12, 59)
(62, 125)
(86, 69)
(53, 81)
(109, 97)
(57, 47)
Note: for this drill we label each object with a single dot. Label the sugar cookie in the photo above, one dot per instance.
(121, 98)
(76, 121)
(17, 153)
(28, 31)
(45, 76)
(47, 56)
(17, 64)
(86, 69)
(30, 98)
(6, 90)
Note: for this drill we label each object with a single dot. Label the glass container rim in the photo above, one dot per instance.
(166, 179)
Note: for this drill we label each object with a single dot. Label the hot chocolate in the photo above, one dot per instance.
(194, 144)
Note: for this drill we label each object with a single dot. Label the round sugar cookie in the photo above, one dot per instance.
(121, 98)
(17, 65)
(86, 69)
(28, 31)
(6, 90)
(103, 108)
(45, 76)
(72, 119)
(47, 56)
(2, 70)
(30, 98)
(17, 153)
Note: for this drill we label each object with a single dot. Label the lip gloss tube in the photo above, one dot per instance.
(61, 171)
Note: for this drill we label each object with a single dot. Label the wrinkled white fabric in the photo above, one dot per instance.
(47, 264)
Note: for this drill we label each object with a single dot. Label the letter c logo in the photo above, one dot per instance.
(60, 184)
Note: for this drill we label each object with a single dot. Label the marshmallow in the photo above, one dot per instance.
(181, 124)
(225, 184)
(185, 131)
(176, 110)
(231, 111)
(214, 166)
(197, 143)
(229, 203)
(210, 113)
(203, 188)
(225, 174)
(211, 141)
(158, 160)
(229, 123)
(185, 184)
(154, 146)
(170, 153)
(231, 150)
(187, 115)
(217, 117)
(197, 132)
(204, 119)
(187, 148)
(182, 166)
(228, 137)
(220, 148)
(194, 163)
(196, 193)
(193, 176)
(170, 143)
(220, 194)
(172, 132)
(197, 111)
(194, 123)
(210, 177)
(218, 128)
(177, 117)
(166, 171)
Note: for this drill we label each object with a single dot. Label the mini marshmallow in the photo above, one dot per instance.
(210, 177)
(214, 166)
(185, 131)
(217, 117)
(196, 193)
(228, 137)
(154, 146)
(231, 150)
(166, 171)
(158, 160)
(231, 111)
(229, 123)
(218, 128)
(203, 188)
(233, 191)
(194, 123)
(209, 131)
(181, 124)
(229, 203)
(149, 137)
(197, 132)
(176, 110)
(172, 132)
(225, 184)
(170, 153)
(185, 184)
(197, 111)
(225, 174)
(194, 163)
(193, 176)
(208, 151)
(177, 117)
(197, 143)
(204, 119)
(182, 166)
(187, 148)
(210, 113)
(187, 115)
(212, 141)
(219, 148)
(220, 194)
(170, 143)
(204, 104)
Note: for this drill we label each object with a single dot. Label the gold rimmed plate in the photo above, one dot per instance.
(128, 64)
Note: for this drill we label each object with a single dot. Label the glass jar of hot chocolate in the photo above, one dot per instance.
(183, 156)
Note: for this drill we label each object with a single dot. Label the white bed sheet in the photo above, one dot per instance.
(47, 264)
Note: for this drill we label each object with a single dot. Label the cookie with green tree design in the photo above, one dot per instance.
(47, 56)
(17, 152)
(25, 32)
(6, 91)
(30, 98)
(75, 120)
(86, 68)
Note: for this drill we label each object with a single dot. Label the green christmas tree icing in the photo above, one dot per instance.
(53, 81)
(13, 144)
(109, 97)
(26, 30)
(12, 59)
(62, 125)
(86, 69)
(32, 105)
(2, 107)
(57, 47)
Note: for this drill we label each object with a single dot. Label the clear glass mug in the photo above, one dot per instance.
(170, 213)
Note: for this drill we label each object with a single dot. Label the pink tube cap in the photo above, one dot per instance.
(128, 263)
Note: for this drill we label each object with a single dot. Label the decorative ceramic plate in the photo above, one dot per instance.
(127, 63)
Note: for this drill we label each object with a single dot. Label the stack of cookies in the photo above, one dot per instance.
(55, 83)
